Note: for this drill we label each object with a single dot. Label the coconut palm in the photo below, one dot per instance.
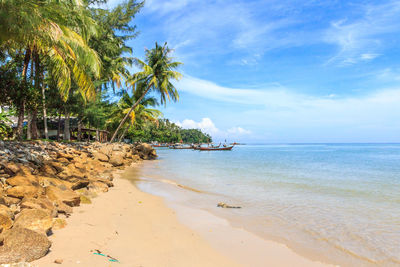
(54, 32)
(157, 73)
(142, 113)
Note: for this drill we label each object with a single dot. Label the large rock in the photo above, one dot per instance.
(39, 203)
(46, 181)
(106, 149)
(66, 196)
(146, 151)
(22, 191)
(98, 187)
(71, 171)
(5, 222)
(22, 244)
(79, 183)
(22, 180)
(48, 169)
(100, 156)
(34, 219)
(6, 211)
(63, 208)
(117, 158)
(11, 168)
(61, 155)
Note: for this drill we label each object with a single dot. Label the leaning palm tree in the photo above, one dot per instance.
(157, 73)
(141, 114)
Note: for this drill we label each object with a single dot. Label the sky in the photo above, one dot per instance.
(281, 71)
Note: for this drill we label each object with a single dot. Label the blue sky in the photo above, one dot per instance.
(279, 70)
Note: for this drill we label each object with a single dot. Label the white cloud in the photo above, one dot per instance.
(360, 40)
(206, 125)
(279, 112)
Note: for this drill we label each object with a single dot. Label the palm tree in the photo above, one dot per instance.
(55, 32)
(141, 114)
(157, 73)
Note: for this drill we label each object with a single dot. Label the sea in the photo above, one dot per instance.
(336, 203)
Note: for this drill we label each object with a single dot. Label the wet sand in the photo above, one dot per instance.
(139, 229)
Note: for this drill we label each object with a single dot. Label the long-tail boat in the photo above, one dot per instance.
(180, 147)
(160, 145)
(214, 148)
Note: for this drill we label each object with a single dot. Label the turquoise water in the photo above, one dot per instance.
(335, 202)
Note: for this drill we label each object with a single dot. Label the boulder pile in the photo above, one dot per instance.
(41, 182)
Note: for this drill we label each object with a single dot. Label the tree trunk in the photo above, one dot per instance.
(129, 113)
(34, 129)
(123, 133)
(67, 134)
(21, 105)
(46, 131)
(80, 130)
(28, 127)
(59, 127)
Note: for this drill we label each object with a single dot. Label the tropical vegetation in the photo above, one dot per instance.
(65, 66)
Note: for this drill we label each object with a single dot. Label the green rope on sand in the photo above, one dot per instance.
(110, 259)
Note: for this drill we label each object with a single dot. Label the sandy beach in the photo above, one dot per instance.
(139, 229)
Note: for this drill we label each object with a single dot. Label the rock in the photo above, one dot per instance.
(58, 261)
(11, 168)
(106, 149)
(98, 187)
(2, 198)
(61, 155)
(34, 219)
(59, 223)
(48, 169)
(5, 222)
(57, 166)
(104, 181)
(100, 156)
(224, 205)
(22, 191)
(79, 165)
(135, 158)
(146, 151)
(71, 171)
(85, 199)
(22, 180)
(11, 200)
(117, 158)
(22, 244)
(63, 208)
(6, 211)
(46, 181)
(66, 196)
(40, 203)
(87, 192)
(64, 161)
(79, 184)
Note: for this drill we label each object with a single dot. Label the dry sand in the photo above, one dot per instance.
(139, 229)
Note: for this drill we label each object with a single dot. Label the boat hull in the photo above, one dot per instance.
(215, 149)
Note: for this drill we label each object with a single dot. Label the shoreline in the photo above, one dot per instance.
(164, 234)
(135, 228)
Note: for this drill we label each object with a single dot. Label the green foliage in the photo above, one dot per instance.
(5, 122)
(166, 132)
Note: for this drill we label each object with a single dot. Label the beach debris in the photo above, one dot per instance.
(226, 206)
(58, 261)
(98, 252)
